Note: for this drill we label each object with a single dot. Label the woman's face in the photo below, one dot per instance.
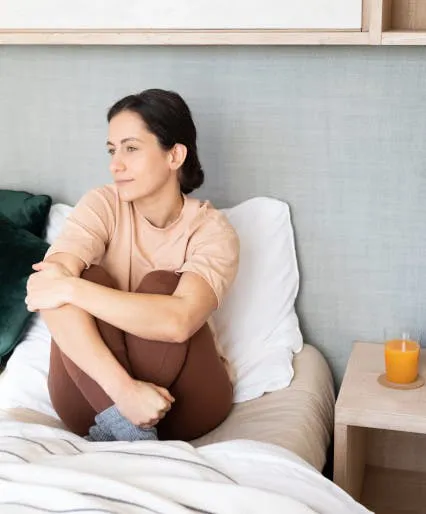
(139, 165)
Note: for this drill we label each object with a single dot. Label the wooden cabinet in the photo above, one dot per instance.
(208, 22)
(380, 437)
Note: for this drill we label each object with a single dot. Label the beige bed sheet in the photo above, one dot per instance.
(299, 417)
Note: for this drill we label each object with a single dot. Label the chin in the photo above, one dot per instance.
(127, 194)
(131, 196)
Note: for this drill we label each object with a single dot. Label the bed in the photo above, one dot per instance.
(266, 456)
(298, 418)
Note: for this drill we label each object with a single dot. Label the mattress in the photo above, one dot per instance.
(298, 418)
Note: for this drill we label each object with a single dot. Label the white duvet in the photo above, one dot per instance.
(45, 469)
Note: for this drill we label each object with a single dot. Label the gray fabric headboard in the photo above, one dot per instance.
(337, 132)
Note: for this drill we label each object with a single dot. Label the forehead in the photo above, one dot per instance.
(126, 124)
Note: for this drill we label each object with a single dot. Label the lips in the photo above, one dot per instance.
(122, 182)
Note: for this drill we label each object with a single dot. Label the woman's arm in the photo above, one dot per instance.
(77, 336)
(85, 348)
(150, 316)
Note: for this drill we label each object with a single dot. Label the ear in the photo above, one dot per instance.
(177, 156)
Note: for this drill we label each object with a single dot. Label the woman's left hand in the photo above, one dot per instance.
(49, 288)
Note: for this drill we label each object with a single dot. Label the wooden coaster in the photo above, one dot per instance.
(419, 382)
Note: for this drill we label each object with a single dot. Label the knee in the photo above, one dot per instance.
(98, 275)
(159, 282)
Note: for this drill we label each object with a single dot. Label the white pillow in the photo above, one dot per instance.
(57, 216)
(257, 325)
(24, 382)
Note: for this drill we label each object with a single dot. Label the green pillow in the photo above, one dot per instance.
(19, 250)
(26, 210)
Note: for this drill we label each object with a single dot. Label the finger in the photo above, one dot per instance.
(30, 306)
(165, 394)
(152, 422)
(166, 407)
(30, 282)
(39, 266)
(161, 413)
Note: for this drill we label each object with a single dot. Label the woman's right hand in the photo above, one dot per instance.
(144, 404)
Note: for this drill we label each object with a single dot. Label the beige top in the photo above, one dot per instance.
(104, 230)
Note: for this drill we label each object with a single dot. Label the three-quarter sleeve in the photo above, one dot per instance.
(213, 253)
(88, 229)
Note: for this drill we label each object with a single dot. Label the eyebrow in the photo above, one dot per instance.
(125, 140)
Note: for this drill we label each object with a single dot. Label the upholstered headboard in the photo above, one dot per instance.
(338, 133)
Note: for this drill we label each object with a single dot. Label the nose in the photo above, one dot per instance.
(116, 164)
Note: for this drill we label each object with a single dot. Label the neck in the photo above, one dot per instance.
(163, 209)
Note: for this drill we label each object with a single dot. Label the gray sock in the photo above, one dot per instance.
(98, 433)
(110, 421)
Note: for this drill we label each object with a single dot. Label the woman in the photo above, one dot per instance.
(128, 287)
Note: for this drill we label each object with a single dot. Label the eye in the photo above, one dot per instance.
(131, 149)
(111, 151)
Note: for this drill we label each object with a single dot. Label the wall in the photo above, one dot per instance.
(337, 132)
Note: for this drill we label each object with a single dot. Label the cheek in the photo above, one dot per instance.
(143, 162)
(153, 166)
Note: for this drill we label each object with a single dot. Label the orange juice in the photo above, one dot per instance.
(402, 360)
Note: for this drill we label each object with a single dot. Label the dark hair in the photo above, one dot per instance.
(167, 116)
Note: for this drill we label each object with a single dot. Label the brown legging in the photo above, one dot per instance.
(192, 371)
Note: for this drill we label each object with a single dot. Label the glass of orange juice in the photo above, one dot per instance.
(402, 351)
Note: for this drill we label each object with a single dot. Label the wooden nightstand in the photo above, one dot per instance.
(380, 437)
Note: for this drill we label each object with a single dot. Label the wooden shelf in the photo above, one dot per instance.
(395, 37)
(405, 15)
(394, 491)
(403, 22)
(183, 37)
(384, 22)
